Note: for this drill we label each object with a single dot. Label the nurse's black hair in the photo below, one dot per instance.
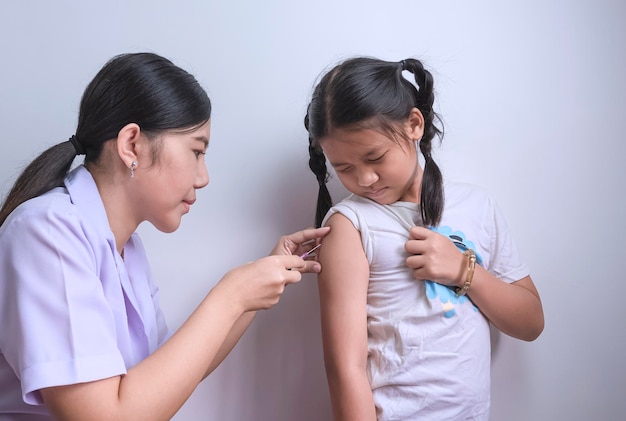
(141, 88)
(365, 92)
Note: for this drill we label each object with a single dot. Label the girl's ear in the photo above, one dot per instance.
(415, 124)
(127, 143)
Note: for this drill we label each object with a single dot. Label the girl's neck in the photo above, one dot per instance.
(413, 189)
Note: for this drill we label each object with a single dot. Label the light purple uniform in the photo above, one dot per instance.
(71, 309)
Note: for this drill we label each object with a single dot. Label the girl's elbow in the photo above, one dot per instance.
(535, 330)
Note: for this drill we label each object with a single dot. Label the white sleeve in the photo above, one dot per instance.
(505, 263)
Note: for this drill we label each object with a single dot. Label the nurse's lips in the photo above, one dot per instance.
(188, 204)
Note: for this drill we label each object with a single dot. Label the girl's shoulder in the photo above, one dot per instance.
(366, 214)
(354, 204)
(464, 190)
(349, 207)
(460, 193)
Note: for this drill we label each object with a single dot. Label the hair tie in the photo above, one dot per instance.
(403, 64)
(77, 145)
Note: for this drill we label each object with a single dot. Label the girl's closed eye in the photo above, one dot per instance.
(198, 153)
(379, 158)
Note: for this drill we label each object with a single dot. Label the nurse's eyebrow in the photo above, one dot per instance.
(202, 139)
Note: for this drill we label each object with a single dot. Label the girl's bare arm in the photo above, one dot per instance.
(343, 296)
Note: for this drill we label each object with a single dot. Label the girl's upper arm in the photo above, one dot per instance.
(527, 283)
(343, 284)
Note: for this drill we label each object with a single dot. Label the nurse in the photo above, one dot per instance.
(82, 333)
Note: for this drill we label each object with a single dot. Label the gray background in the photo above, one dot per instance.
(532, 93)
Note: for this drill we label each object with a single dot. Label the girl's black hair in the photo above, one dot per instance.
(141, 88)
(365, 91)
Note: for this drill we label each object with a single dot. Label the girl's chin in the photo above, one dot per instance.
(383, 197)
(378, 196)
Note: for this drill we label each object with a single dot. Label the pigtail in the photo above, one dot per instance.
(317, 164)
(46, 172)
(432, 195)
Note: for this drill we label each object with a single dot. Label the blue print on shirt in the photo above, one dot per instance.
(446, 295)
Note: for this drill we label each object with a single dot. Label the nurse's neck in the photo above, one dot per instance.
(117, 205)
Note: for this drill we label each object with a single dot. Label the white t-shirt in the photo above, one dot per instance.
(71, 309)
(429, 350)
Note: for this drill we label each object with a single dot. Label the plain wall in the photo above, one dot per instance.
(532, 94)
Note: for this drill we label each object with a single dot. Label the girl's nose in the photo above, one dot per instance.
(366, 178)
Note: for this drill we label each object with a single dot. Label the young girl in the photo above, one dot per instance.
(82, 333)
(413, 271)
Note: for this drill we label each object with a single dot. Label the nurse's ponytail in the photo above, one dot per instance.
(141, 88)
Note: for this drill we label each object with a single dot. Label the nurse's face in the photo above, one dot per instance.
(169, 185)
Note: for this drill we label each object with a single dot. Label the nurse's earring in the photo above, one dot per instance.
(133, 167)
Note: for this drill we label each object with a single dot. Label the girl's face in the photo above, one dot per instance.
(167, 188)
(372, 165)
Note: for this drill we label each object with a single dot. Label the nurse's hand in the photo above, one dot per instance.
(299, 243)
(258, 285)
